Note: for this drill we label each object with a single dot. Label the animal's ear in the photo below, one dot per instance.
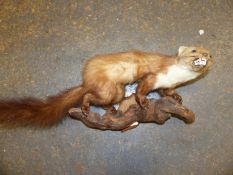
(181, 49)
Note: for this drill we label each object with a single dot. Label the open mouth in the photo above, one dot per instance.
(200, 62)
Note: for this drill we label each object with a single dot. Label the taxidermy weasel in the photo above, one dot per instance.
(104, 80)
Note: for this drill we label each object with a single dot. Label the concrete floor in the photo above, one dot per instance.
(43, 45)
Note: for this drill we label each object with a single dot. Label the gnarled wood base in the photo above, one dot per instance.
(130, 114)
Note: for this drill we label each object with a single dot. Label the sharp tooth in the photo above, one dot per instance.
(203, 61)
(200, 61)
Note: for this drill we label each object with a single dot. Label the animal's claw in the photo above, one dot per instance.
(177, 98)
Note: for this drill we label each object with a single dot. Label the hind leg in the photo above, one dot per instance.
(119, 95)
(109, 94)
(89, 99)
(101, 95)
(120, 92)
(86, 103)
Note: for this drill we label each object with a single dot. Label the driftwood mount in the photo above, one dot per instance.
(130, 114)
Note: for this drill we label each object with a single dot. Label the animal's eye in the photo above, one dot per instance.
(194, 51)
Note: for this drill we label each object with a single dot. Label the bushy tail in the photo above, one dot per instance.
(41, 113)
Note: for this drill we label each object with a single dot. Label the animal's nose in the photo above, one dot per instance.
(205, 54)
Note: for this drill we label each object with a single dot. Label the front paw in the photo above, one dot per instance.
(178, 98)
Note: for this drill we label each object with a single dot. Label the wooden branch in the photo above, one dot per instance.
(130, 114)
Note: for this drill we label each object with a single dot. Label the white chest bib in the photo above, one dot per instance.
(174, 76)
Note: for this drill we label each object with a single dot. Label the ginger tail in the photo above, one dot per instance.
(40, 113)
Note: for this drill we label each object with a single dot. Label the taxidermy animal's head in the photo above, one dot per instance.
(196, 59)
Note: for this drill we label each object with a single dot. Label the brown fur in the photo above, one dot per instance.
(104, 78)
(108, 74)
(41, 113)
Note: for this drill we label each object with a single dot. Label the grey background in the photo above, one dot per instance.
(43, 46)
